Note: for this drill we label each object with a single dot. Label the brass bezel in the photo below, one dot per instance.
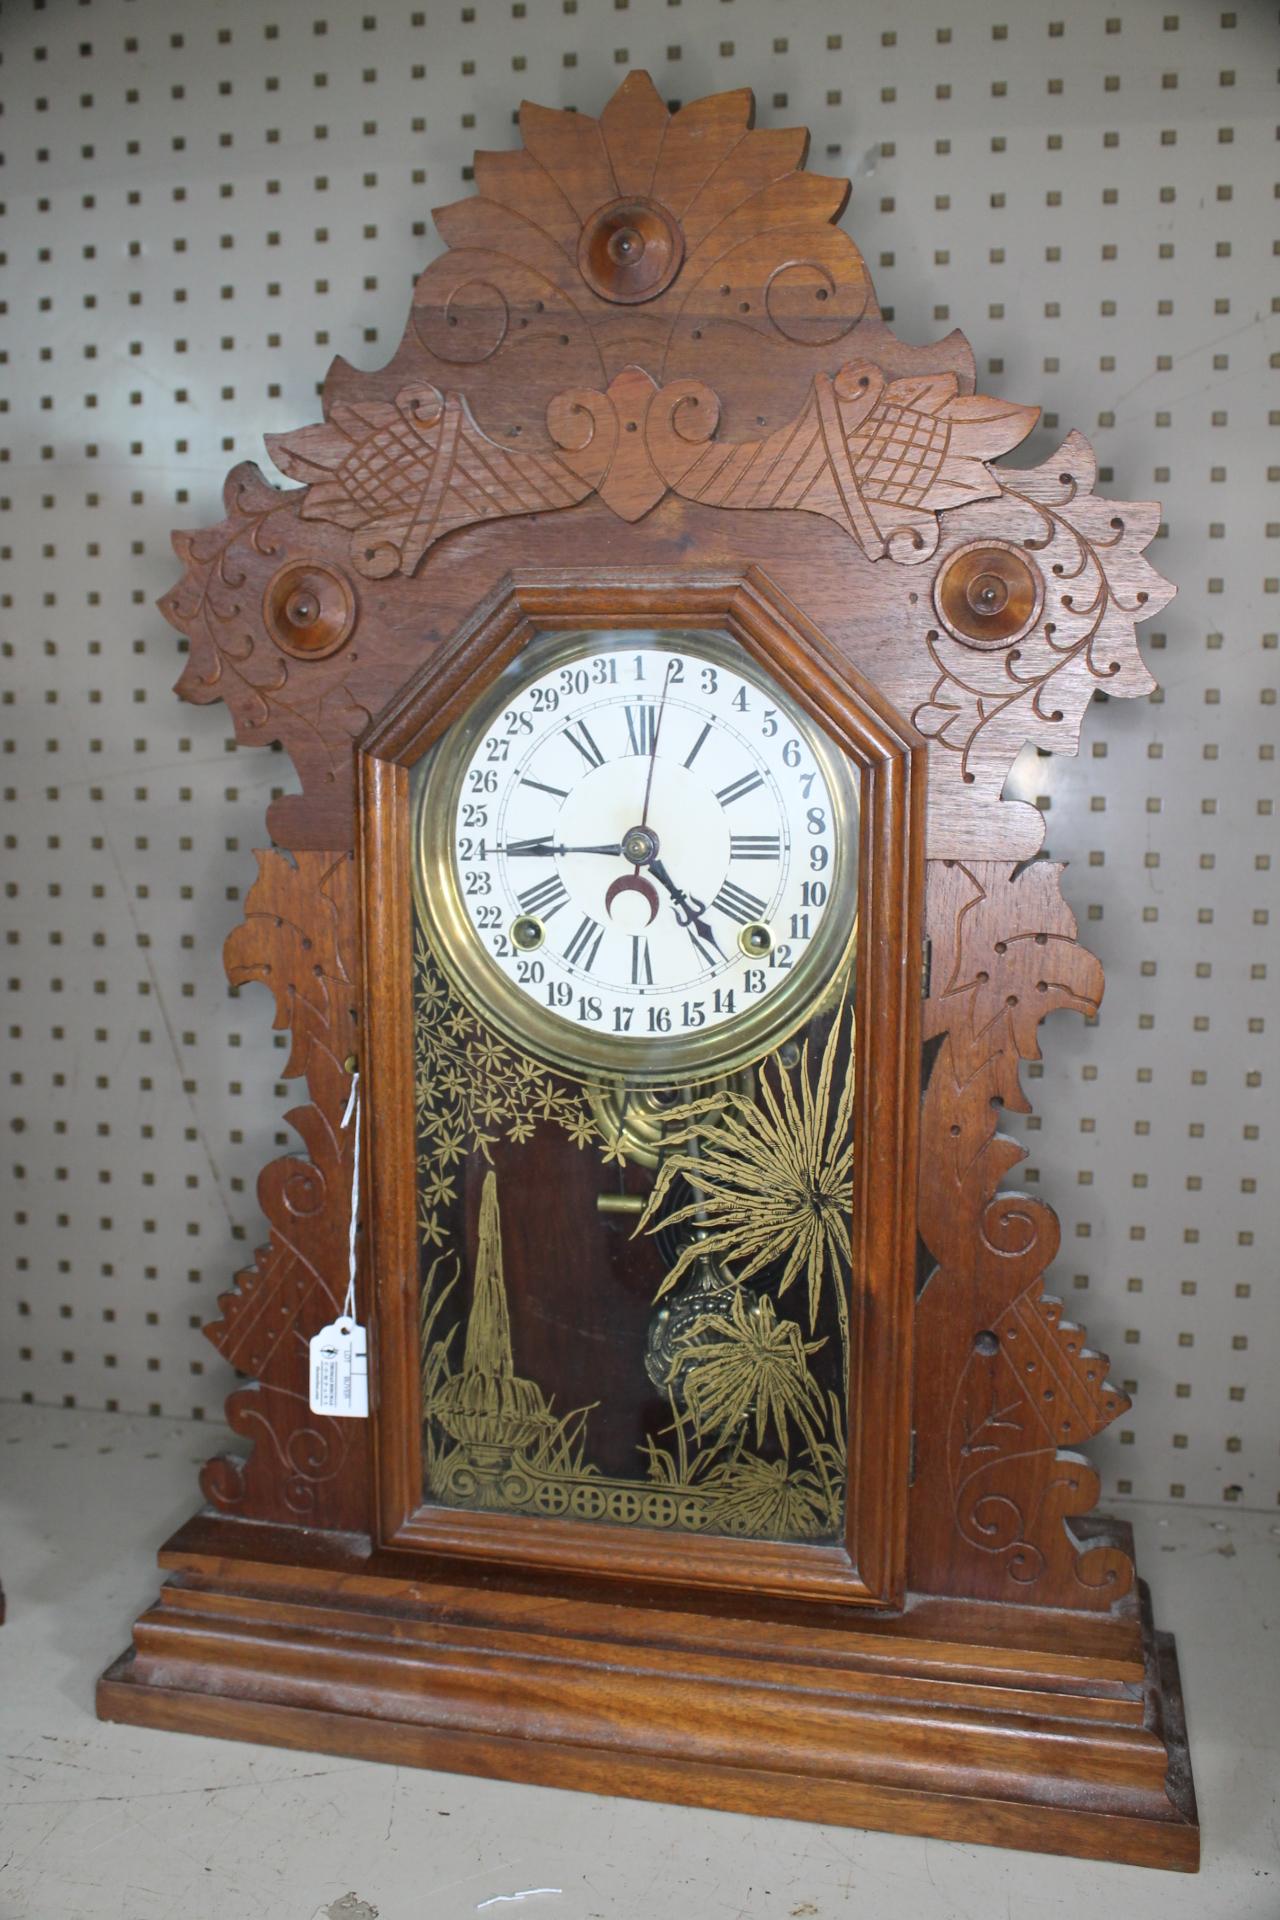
(576, 1051)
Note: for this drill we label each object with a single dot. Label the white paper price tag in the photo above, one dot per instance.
(340, 1371)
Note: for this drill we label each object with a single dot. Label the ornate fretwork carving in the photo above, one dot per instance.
(880, 458)
(218, 604)
(720, 248)
(1016, 1381)
(983, 706)
(751, 238)
(295, 937)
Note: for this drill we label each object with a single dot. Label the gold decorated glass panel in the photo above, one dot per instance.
(635, 885)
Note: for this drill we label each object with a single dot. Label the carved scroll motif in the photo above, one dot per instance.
(299, 921)
(605, 440)
(1013, 1383)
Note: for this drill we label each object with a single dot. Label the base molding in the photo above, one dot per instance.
(1013, 1726)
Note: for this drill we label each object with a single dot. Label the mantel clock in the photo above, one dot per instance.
(653, 638)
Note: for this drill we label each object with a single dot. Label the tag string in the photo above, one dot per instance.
(353, 1106)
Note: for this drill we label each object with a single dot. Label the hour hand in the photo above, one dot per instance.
(688, 910)
(543, 849)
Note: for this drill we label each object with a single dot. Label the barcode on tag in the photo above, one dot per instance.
(340, 1371)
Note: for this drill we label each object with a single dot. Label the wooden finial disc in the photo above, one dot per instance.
(630, 251)
(988, 594)
(309, 609)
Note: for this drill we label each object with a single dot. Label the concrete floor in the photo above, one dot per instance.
(99, 1821)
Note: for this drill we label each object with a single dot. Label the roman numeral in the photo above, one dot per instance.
(546, 898)
(738, 903)
(755, 846)
(585, 944)
(737, 788)
(578, 735)
(642, 728)
(697, 746)
(641, 964)
(558, 793)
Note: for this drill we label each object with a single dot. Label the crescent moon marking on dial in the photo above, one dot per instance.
(632, 883)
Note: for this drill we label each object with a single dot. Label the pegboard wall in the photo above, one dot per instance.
(204, 200)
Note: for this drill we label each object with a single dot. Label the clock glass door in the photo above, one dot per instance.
(635, 867)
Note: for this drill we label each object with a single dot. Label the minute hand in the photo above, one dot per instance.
(687, 908)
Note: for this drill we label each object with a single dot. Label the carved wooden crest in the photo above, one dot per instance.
(710, 231)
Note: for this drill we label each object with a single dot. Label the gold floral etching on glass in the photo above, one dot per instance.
(753, 1439)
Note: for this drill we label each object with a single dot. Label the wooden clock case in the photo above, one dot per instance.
(648, 384)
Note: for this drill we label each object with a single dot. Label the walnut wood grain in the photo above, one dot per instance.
(1042, 1748)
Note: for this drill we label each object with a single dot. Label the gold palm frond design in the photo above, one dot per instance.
(771, 1500)
(749, 1365)
(772, 1177)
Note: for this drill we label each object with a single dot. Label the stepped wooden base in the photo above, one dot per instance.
(1014, 1726)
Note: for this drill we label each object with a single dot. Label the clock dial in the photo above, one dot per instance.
(638, 854)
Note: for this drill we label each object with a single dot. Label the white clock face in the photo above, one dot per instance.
(647, 841)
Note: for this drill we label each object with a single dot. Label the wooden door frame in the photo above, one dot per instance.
(868, 1568)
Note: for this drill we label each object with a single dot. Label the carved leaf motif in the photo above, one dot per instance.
(210, 606)
(1006, 957)
(983, 706)
(289, 939)
(298, 912)
(1025, 1384)
(882, 458)
(403, 476)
